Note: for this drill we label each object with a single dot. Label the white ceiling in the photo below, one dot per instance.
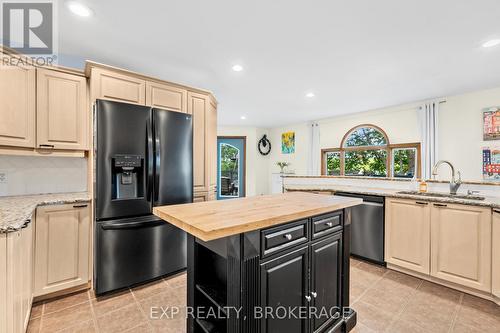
(355, 55)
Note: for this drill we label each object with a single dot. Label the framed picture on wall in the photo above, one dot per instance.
(288, 143)
(491, 163)
(491, 123)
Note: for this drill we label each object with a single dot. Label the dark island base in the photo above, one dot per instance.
(234, 281)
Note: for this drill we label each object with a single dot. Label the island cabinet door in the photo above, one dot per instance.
(461, 245)
(407, 234)
(325, 292)
(284, 285)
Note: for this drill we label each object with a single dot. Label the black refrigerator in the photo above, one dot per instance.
(143, 158)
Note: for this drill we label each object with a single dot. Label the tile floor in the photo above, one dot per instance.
(386, 301)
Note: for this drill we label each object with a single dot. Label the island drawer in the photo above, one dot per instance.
(326, 224)
(282, 237)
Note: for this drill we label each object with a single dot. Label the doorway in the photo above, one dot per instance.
(231, 162)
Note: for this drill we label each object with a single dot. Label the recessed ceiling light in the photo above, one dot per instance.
(310, 95)
(79, 8)
(243, 117)
(491, 43)
(237, 68)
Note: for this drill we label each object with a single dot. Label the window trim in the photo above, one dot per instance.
(388, 147)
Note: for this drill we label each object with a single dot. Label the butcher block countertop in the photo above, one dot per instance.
(217, 219)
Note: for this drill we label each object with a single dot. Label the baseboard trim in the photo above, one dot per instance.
(451, 285)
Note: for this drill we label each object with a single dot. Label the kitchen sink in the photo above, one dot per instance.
(443, 195)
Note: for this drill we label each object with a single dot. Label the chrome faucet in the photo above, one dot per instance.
(454, 184)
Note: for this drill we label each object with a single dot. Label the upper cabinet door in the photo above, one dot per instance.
(62, 112)
(461, 245)
(117, 87)
(496, 253)
(407, 234)
(197, 107)
(167, 97)
(17, 106)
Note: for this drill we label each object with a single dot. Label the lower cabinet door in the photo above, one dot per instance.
(62, 247)
(284, 285)
(326, 270)
(18, 282)
(3, 283)
(200, 196)
(407, 234)
(496, 253)
(461, 245)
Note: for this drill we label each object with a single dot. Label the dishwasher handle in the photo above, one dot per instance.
(369, 203)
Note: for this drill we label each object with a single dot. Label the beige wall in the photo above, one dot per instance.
(460, 132)
(256, 165)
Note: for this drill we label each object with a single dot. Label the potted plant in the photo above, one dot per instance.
(282, 166)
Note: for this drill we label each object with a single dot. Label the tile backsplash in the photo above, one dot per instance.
(35, 175)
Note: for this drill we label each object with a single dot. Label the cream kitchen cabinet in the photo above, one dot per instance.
(204, 112)
(111, 85)
(17, 106)
(16, 279)
(164, 96)
(496, 253)
(407, 234)
(211, 143)
(200, 197)
(62, 247)
(197, 106)
(62, 112)
(461, 245)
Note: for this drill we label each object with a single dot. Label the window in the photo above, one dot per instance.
(333, 163)
(365, 151)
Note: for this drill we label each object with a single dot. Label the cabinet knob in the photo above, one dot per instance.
(330, 224)
(288, 236)
(314, 294)
(308, 298)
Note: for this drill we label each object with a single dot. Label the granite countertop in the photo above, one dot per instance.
(493, 202)
(15, 210)
(217, 219)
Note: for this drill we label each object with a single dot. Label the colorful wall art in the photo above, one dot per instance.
(288, 142)
(491, 163)
(491, 123)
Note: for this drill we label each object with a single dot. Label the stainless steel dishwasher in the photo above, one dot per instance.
(367, 228)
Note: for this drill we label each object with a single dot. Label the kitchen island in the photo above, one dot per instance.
(273, 263)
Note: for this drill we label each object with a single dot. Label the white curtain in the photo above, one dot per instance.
(314, 161)
(428, 116)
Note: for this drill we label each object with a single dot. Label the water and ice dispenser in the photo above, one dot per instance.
(128, 176)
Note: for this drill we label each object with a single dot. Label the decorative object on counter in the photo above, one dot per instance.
(491, 163)
(491, 123)
(288, 143)
(264, 145)
(282, 166)
(422, 187)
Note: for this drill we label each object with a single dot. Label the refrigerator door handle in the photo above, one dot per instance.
(149, 159)
(121, 226)
(157, 160)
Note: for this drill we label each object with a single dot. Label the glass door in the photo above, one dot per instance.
(230, 167)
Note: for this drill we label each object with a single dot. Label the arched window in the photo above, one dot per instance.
(365, 150)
